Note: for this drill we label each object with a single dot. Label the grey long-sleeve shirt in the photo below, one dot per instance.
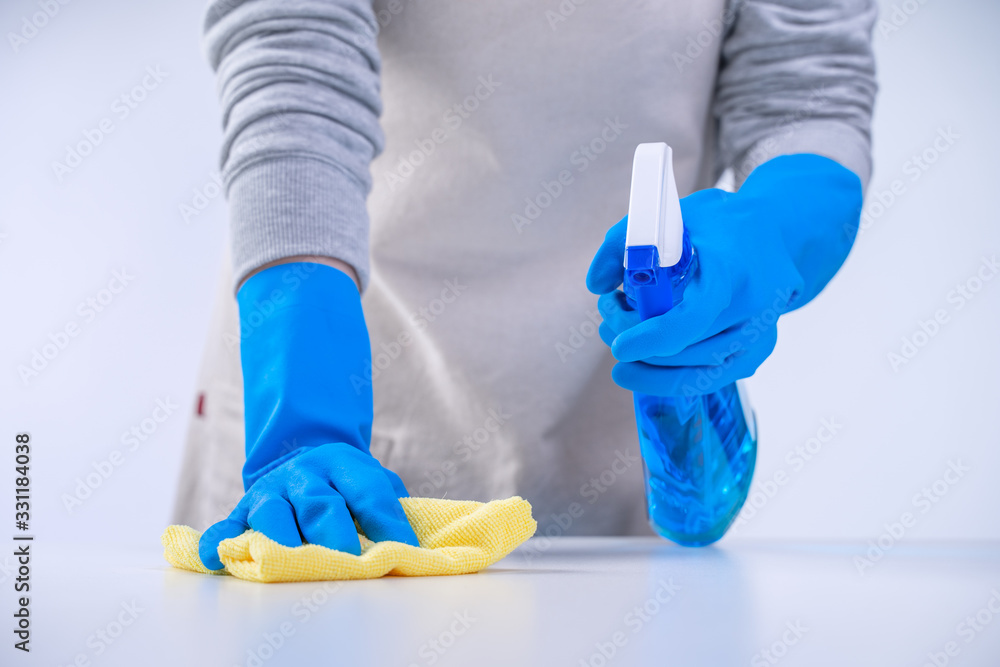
(300, 89)
(495, 142)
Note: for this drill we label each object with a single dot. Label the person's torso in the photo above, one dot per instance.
(510, 129)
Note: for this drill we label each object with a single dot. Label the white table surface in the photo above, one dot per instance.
(539, 606)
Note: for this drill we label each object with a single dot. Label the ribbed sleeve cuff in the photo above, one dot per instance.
(831, 139)
(289, 206)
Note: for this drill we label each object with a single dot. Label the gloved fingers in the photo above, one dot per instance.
(690, 321)
(208, 545)
(367, 490)
(668, 381)
(714, 350)
(607, 334)
(273, 516)
(692, 380)
(608, 266)
(717, 350)
(654, 380)
(616, 312)
(324, 519)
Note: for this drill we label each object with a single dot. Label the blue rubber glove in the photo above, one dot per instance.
(309, 474)
(762, 251)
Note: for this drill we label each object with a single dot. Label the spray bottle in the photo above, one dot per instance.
(698, 451)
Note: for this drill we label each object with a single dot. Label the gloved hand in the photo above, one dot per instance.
(309, 473)
(762, 251)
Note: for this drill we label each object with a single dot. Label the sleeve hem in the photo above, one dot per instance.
(291, 206)
(831, 139)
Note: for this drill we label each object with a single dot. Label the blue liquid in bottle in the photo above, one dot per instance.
(698, 457)
(698, 451)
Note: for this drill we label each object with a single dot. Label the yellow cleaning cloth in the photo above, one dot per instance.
(456, 537)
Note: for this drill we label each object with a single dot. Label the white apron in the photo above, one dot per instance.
(510, 129)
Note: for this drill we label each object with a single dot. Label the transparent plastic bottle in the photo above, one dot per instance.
(698, 453)
(698, 450)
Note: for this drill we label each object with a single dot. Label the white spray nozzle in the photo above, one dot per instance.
(654, 208)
